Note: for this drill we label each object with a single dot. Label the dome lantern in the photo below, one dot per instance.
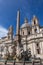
(26, 20)
(26, 24)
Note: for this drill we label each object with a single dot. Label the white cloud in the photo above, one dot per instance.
(3, 31)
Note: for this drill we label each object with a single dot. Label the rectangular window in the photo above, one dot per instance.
(38, 51)
(28, 33)
(37, 48)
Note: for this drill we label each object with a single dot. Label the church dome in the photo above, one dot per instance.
(26, 24)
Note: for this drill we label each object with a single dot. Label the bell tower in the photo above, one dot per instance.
(10, 32)
(35, 25)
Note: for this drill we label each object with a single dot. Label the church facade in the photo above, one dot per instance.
(29, 37)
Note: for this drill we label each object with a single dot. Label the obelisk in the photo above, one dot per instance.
(18, 34)
(18, 23)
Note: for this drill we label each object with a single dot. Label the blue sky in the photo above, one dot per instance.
(28, 8)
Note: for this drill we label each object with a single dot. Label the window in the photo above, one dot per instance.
(28, 33)
(35, 30)
(38, 51)
(34, 22)
(23, 33)
(37, 44)
(37, 48)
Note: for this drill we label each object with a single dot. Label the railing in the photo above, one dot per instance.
(35, 61)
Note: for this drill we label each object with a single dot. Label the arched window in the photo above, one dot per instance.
(29, 33)
(34, 22)
(35, 30)
(23, 32)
